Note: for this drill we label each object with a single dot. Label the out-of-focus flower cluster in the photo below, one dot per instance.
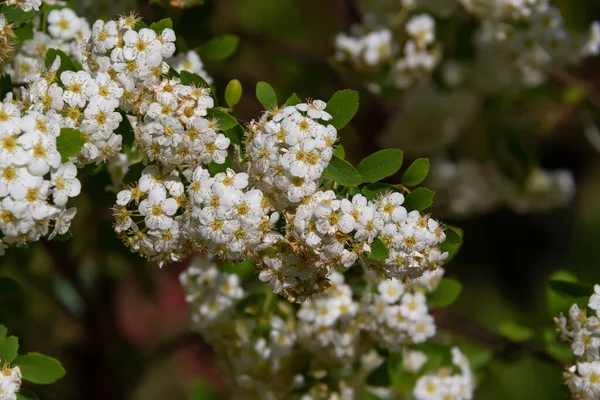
(324, 348)
(517, 45)
(583, 331)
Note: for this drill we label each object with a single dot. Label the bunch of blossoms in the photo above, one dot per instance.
(66, 31)
(10, 382)
(409, 54)
(397, 313)
(523, 41)
(35, 184)
(583, 331)
(446, 385)
(468, 187)
(326, 233)
(267, 353)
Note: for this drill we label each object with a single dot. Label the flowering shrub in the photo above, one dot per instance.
(310, 277)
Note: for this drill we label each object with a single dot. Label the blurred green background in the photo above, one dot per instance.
(120, 326)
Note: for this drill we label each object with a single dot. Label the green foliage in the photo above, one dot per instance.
(25, 394)
(233, 93)
(438, 356)
(379, 250)
(293, 100)
(66, 64)
(564, 290)
(243, 268)
(266, 95)
(380, 165)
(9, 348)
(416, 172)
(515, 331)
(342, 106)
(342, 172)
(224, 120)
(374, 190)
(8, 288)
(202, 390)
(24, 33)
(419, 199)
(40, 369)
(219, 48)
(69, 143)
(446, 293)
(125, 130)
(3, 332)
(340, 152)
(16, 15)
(189, 78)
(161, 25)
(453, 243)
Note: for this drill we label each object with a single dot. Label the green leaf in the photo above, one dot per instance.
(339, 151)
(24, 33)
(453, 243)
(380, 377)
(446, 293)
(452, 237)
(8, 288)
(478, 355)
(233, 93)
(161, 25)
(379, 251)
(374, 190)
(9, 349)
(559, 302)
(438, 356)
(571, 289)
(66, 64)
(243, 268)
(416, 172)
(40, 369)
(380, 165)
(342, 106)
(189, 78)
(419, 199)
(342, 172)
(219, 48)
(293, 100)
(69, 143)
(235, 134)
(559, 350)
(125, 130)
(16, 15)
(224, 120)
(266, 95)
(515, 332)
(5, 86)
(26, 394)
(202, 390)
(139, 25)
(3, 332)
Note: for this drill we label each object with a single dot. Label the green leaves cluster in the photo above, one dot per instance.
(35, 367)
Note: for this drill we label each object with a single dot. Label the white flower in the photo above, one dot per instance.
(421, 28)
(390, 290)
(65, 183)
(63, 222)
(158, 209)
(76, 87)
(63, 23)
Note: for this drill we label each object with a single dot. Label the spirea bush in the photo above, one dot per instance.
(308, 275)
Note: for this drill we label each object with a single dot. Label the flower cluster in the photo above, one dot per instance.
(324, 348)
(445, 385)
(468, 187)
(35, 184)
(583, 378)
(410, 56)
(66, 31)
(288, 149)
(210, 293)
(10, 382)
(397, 313)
